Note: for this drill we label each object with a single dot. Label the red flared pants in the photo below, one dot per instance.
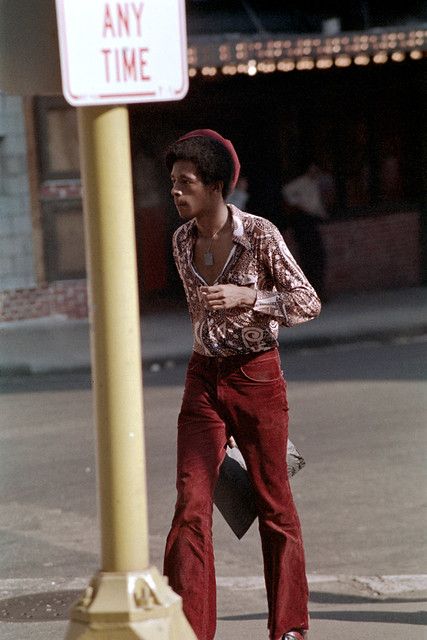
(243, 396)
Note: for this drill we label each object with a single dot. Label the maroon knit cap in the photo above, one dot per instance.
(209, 133)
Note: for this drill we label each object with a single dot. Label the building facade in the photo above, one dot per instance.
(351, 103)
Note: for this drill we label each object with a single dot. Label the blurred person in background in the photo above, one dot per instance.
(308, 200)
(240, 195)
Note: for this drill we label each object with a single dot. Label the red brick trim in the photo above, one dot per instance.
(66, 297)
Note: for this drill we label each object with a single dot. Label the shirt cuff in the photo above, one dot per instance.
(265, 300)
(270, 303)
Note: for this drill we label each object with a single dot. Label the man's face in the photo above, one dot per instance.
(190, 195)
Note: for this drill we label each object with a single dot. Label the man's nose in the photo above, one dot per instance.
(176, 192)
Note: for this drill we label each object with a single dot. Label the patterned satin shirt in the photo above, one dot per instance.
(259, 259)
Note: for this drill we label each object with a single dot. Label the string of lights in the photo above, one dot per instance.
(250, 55)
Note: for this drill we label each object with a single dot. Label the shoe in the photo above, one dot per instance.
(295, 635)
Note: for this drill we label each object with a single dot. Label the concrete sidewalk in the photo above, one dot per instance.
(59, 344)
(339, 610)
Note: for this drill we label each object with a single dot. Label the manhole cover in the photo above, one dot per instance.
(38, 606)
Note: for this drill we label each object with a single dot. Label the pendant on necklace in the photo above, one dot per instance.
(208, 259)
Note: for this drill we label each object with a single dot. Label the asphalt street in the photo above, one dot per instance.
(358, 415)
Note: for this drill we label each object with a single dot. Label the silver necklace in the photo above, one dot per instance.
(208, 258)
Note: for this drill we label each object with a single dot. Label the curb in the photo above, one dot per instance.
(157, 363)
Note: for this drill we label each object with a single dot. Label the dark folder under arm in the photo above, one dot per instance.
(234, 495)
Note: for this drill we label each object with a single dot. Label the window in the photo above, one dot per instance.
(59, 189)
(64, 240)
(59, 146)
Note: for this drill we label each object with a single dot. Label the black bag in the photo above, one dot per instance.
(234, 495)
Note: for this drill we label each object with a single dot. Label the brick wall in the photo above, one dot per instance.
(67, 298)
(16, 250)
(370, 253)
(373, 253)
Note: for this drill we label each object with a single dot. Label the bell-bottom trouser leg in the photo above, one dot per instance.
(244, 397)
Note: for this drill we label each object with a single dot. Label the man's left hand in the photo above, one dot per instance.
(228, 296)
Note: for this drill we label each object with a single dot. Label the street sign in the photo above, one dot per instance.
(116, 52)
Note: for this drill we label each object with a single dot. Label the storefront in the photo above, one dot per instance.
(350, 103)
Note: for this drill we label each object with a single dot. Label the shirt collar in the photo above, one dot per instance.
(239, 231)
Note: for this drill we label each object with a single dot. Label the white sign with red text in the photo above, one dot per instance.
(116, 52)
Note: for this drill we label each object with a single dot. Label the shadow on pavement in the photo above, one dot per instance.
(324, 597)
(394, 617)
(81, 380)
(29, 383)
(366, 361)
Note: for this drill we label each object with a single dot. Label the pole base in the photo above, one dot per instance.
(129, 606)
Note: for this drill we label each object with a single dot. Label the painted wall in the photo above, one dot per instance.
(16, 243)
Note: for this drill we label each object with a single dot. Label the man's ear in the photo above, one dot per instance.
(218, 186)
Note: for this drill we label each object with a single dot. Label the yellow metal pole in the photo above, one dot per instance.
(115, 340)
(127, 598)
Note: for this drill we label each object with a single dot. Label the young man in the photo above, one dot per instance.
(241, 282)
